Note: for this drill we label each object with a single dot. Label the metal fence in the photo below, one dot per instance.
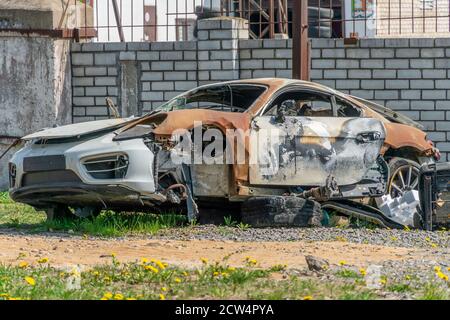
(171, 20)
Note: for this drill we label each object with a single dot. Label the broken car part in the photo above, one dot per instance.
(434, 186)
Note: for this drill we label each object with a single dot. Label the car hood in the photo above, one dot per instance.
(78, 129)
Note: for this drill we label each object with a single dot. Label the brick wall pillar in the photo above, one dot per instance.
(218, 48)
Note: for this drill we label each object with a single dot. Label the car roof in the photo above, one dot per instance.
(282, 82)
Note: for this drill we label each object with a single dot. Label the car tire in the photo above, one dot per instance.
(406, 167)
(280, 211)
(59, 212)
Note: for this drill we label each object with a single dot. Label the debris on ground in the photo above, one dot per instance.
(316, 264)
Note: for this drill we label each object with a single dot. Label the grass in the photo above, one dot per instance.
(154, 280)
(108, 223)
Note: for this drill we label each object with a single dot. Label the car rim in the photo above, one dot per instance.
(405, 178)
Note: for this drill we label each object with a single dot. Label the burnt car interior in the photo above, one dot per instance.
(301, 103)
(312, 104)
(229, 98)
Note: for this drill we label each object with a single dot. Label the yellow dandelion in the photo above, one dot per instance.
(177, 280)
(437, 269)
(407, 277)
(43, 260)
(113, 254)
(160, 264)
(152, 269)
(185, 274)
(204, 260)
(363, 271)
(118, 296)
(427, 239)
(434, 245)
(23, 264)
(215, 274)
(443, 276)
(106, 278)
(162, 297)
(108, 295)
(383, 281)
(30, 281)
(231, 269)
(307, 298)
(130, 298)
(224, 274)
(164, 289)
(252, 262)
(144, 260)
(95, 273)
(342, 263)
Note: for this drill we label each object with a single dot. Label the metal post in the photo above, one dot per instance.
(272, 19)
(300, 48)
(118, 20)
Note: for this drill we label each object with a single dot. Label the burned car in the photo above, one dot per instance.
(279, 151)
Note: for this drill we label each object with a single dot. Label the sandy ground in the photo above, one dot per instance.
(66, 250)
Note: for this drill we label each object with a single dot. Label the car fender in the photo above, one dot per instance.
(401, 136)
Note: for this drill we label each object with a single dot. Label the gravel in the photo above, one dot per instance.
(435, 240)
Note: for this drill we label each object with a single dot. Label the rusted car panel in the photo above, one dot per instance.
(314, 148)
(401, 136)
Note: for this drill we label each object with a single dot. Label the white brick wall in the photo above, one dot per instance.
(408, 75)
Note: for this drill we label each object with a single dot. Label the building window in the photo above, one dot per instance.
(185, 29)
(427, 4)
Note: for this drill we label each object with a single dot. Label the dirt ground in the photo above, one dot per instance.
(66, 250)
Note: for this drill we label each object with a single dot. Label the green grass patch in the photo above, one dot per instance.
(348, 273)
(153, 280)
(399, 287)
(108, 223)
(434, 292)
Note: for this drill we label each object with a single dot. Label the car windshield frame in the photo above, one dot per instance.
(181, 101)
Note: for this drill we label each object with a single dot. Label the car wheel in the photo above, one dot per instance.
(59, 212)
(281, 211)
(404, 176)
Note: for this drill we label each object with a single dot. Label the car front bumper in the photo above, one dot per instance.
(68, 181)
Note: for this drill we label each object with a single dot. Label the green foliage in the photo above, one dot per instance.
(108, 223)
